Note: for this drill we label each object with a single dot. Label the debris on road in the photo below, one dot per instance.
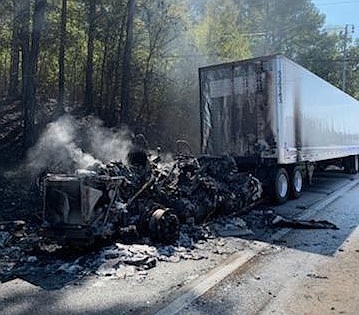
(26, 255)
(280, 221)
(315, 276)
(231, 227)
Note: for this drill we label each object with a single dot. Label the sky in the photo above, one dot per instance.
(339, 13)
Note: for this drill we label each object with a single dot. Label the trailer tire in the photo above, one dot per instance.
(296, 182)
(280, 186)
(351, 164)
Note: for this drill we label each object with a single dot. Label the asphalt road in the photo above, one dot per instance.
(311, 272)
(290, 271)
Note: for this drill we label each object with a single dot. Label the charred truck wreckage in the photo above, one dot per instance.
(266, 116)
(145, 199)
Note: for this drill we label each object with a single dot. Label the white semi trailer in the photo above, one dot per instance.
(279, 120)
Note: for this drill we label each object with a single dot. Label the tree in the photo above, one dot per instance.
(322, 59)
(135, 62)
(89, 97)
(13, 91)
(27, 79)
(63, 37)
(353, 73)
(117, 73)
(282, 26)
(111, 23)
(6, 39)
(126, 65)
(294, 29)
(31, 48)
(161, 26)
(219, 34)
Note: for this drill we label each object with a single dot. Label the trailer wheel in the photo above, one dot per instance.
(280, 186)
(351, 164)
(297, 182)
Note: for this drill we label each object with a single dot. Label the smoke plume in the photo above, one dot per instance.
(68, 144)
(108, 144)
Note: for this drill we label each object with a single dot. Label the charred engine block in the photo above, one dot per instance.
(82, 208)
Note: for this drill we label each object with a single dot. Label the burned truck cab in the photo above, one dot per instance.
(82, 208)
(78, 208)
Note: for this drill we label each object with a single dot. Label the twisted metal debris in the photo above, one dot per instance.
(148, 198)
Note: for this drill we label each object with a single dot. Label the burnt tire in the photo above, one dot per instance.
(164, 226)
(280, 186)
(296, 183)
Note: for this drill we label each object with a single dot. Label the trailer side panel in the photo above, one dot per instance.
(317, 121)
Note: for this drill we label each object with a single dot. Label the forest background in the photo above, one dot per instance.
(135, 63)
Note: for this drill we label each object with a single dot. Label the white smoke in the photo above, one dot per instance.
(108, 144)
(68, 144)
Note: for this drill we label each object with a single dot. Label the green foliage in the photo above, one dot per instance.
(5, 40)
(295, 29)
(353, 70)
(282, 26)
(158, 25)
(322, 59)
(172, 39)
(218, 34)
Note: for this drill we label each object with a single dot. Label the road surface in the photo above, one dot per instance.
(287, 272)
(312, 272)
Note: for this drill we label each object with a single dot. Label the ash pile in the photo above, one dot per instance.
(148, 198)
(23, 254)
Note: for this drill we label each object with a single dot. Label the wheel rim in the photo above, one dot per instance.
(282, 185)
(298, 181)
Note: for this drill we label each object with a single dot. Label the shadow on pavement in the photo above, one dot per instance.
(342, 213)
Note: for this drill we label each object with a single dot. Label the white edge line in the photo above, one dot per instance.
(206, 282)
(200, 286)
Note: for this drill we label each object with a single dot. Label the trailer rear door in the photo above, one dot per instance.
(236, 108)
